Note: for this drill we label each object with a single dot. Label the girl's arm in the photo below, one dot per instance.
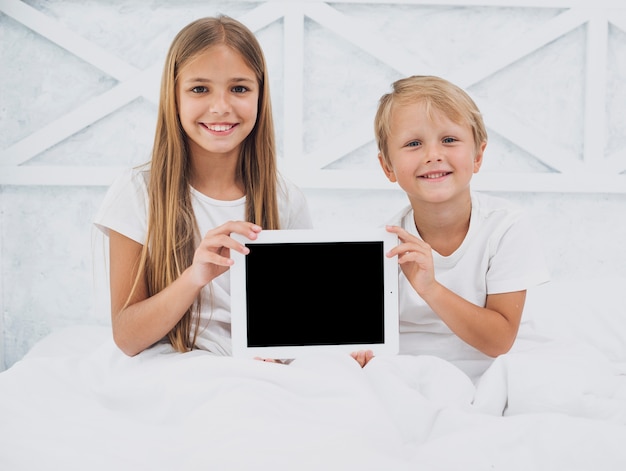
(146, 320)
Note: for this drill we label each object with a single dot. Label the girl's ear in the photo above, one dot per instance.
(388, 171)
(478, 158)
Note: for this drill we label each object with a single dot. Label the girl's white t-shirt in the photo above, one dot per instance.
(500, 253)
(125, 210)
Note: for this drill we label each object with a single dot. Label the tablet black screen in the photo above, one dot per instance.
(322, 293)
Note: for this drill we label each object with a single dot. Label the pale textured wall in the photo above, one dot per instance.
(77, 100)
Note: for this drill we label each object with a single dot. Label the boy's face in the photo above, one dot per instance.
(432, 159)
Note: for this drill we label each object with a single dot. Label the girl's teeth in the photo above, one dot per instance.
(220, 128)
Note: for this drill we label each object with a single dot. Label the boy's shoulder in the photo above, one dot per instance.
(399, 218)
(485, 203)
(488, 200)
(495, 214)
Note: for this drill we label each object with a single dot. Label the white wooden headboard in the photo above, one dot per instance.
(79, 89)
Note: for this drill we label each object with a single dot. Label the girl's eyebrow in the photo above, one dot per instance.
(207, 80)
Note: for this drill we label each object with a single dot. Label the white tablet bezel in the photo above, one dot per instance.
(390, 344)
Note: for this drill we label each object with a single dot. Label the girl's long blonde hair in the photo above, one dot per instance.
(172, 228)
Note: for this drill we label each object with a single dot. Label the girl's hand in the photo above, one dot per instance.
(212, 257)
(362, 357)
(274, 360)
(415, 258)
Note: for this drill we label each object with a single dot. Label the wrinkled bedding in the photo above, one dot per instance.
(556, 401)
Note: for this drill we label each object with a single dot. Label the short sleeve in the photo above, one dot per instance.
(518, 260)
(293, 206)
(125, 206)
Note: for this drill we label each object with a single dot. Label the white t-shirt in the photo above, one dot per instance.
(499, 254)
(125, 210)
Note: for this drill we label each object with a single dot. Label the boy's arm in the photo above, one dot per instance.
(491, 329)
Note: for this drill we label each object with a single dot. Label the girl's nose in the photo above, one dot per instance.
(220, 103)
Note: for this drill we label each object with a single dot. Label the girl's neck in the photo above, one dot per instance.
(443, 225)
(216, 178)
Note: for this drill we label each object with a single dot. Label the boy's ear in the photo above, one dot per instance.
(478, 158)
(388, 171)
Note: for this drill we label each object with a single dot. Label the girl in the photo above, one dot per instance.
(212, 173)
(466, 258)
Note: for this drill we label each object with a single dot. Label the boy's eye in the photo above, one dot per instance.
(199, 89)
(413, 144)
(449, 140)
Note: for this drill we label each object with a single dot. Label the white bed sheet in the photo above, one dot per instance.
(555, 402)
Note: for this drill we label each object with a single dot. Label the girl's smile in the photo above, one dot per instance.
(219, 129)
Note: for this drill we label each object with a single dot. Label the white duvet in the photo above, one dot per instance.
(554, 403)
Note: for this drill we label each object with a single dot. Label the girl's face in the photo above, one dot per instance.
(432, 160)
(217, 102)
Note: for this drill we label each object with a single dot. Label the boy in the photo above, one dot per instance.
(466, 258)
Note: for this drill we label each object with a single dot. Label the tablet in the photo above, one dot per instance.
(301, 292)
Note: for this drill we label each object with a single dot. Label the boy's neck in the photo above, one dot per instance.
(443, 225)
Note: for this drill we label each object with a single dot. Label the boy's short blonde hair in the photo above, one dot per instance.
(434, 92)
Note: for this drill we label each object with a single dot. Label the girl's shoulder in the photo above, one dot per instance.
(292, 205)
(286, 186)
(288, 192)
(137, 176)
(130, 179)
(124, 207)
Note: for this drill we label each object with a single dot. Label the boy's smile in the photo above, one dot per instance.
(435, 175)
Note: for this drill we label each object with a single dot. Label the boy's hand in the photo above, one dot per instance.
(362, 357)
(415, 258)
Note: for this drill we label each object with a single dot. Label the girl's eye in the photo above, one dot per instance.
(199, 89)
(240, 89)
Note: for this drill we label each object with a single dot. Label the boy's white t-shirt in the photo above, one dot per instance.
(499, 254)
(125, 210)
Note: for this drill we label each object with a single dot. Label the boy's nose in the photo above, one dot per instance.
(432, 154)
